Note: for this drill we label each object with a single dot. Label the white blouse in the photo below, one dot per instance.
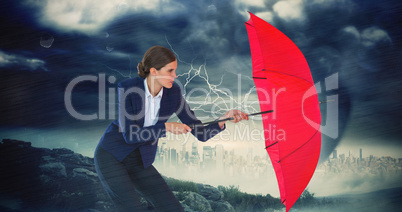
(152, 106)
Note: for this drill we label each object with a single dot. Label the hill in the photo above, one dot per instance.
(41, 179)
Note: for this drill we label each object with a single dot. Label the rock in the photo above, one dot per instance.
(62, 151)
(221, 206)
(50, 180)
(55, 169)
(210, 192)
(83, 172)
(192, 201)
(15, 143)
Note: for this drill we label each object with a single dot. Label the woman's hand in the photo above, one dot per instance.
(237, 116)
(177, 128)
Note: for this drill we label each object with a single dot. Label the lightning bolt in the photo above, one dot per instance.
(220, 95)
(120, 72)
(222, 101)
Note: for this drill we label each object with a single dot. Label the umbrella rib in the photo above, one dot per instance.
(271, 145)
(298, 147)
(288, 75)
(249, 24)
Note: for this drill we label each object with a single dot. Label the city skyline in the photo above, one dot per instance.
(217, 165)
(211, 149)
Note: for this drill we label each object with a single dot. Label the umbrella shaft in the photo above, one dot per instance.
(231, 118)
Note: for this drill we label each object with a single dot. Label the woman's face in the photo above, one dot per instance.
(166, 75)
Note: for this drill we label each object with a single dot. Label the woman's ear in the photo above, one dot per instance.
(153, 71)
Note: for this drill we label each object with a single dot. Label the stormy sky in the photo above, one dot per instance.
(44, 45)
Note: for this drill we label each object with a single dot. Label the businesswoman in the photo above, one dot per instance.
(126, 151)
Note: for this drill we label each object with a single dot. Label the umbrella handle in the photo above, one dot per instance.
(227, 119)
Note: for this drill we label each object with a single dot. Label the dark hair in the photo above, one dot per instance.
(155, 57)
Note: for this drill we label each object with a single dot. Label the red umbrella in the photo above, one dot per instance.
(284, 84)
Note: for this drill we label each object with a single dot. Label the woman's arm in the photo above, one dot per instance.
(237, 116)
(203, 133)
(186, 115)
(177, 128)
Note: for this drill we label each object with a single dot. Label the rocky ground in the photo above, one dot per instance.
(41, 179)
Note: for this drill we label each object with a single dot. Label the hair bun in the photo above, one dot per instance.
(141, 70)
(155, 57)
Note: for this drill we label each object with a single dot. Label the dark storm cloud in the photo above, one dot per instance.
(205, 37)
(361, 43)
(198, 34)
(209, 38)
(18, 62)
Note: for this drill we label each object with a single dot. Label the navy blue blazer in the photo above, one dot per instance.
(127, 133)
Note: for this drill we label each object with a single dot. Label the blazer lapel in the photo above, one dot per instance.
(139, 102)
(164, 108)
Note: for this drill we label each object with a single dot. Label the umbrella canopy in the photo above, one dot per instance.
(284, 84)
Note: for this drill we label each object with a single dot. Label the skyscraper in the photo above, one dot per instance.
(250, 157)
(173, 157)
(219, 156)
(194, 157)
(334, 154)
(207, 157)
(183, 153)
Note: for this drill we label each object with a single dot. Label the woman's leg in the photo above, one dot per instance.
(116, 181)
(150, 184)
